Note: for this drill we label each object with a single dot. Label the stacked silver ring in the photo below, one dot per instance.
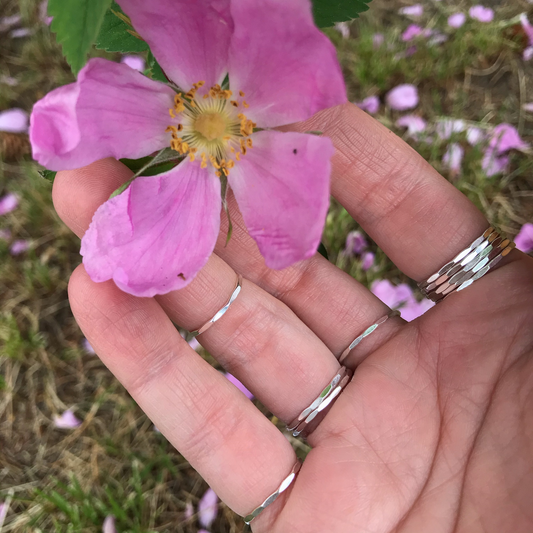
(468, 266)
(284, 485)
(300, 425)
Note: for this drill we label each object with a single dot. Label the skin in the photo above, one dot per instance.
(435, 431)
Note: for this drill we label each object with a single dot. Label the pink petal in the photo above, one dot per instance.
(109, 525)
(411, 32)
(18, 247)
(391, 295)
(414, 309)
(286, 67)
(481, 13)
(14, 120)
(355, 243)
(492, 164)
(208, 508)
(5, 234)
(402, 97)
(67, 420)
(528, 53)
(282, 188)
(416, 10)
(239, 385)
(344, 29)
(505, 137)
(87, 347)
(527, 27)
(370, 104)
(190, 39)
(155, 236)
(524, 239)
(456, 20)
(134, 62)
(377, 40)
(445, 128)
(8, 22)
(8, 203)
(367, 260)
(111, 111)
(413, 123)
(20, 32)
(189, 511)
(474, 135)
(4, 507)
(43, 13)
(453, 158)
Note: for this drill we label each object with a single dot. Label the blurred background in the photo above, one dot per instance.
(455, 80)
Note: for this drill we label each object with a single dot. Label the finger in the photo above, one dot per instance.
(234, 447)
(417, 218)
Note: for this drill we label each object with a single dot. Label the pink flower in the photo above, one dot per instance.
(445, 128)
(355, 243)
(481, 13)
(416, 10)
(524, 239)
(5, 234)
(8, 22)
(208, 508)
(14, 120)
(527, 27)
(239, 385)
(400, 296)
(86, 345)
(402, 97)
(456, 20)
(109, 525)
(413, 123)
(493, 164)
(414, 309)
(19, 246)
(8, 203)
(505, 137)
(367, 260)
(43, 13)
(453, 158)
(3, 512)
(20, 32)
(67, 420)
(370, 104)
(412, 31)
(474, 135)
(155, 236)
(134, 62)
(377, 40)
(528, 53)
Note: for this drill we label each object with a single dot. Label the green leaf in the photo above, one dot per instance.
(116, 34)
(48, 175)
(322, 250)
(327, 12)
(76, 24)
(156, 72)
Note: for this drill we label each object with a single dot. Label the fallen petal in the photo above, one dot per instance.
(14, 120)
(20, 32)
(18, 247)
(524, 239)
(474, 135)
(189, 511)
(453, 158)
(87, 347)
(411, 32)
(402, 97)
(43, 13)
(528, 53)
(505, 137)
(109, 525)
(370, 104)
(208, 508)
(528, 107)
(67, 420)
(493, 164)
(367, 260)
(481, 13)
(527, 27)
(456, 20)
(8, 22)
(416, 10)
(413, 123)
(8, 203)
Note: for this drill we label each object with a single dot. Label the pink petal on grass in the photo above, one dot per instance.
(412, 31)
(367, 260)
(43, 13)
(416, 10)
(402, 97)
(524, 239)
(8, 22)
(453, 158)
(86, 345)
(67, 420)
(155, 236)
(474, 135)
(355, 243)
(190, 40)
(528, 53)
(208, 508)
(286, 67)
(505, 137)
(413, 123)
(481, 13)
(19, 247)
(20, 32)
(282, 188)
(456, 20)
(109, 525)
(9, 202)
(494, 164)
(527, 27)
(111, 111)
(239, 385)
(135, 62)
(189, 511)
(14, 120)
(370, 104)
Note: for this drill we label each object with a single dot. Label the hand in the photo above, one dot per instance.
(433, 434)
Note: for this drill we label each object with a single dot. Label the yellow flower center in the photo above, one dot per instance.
(211, 127)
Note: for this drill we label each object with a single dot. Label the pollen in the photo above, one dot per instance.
(209, 128)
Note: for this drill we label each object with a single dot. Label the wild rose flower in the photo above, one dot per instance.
(456, 20)
(505, 137)
(416, 10)
(481, 13)
(208, 508)
(402, 97)
(453, 158)
(155, 236)
(524, 239)
(14, 120)
(9, 202)
(67, 420)
(370, 104)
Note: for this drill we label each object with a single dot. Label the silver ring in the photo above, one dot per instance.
(219, 314)
(284, 485)
(366, 333)
(300, 425)
(468, 266)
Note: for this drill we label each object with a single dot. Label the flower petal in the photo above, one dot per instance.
(282, 188)
(402, 97)
(111, 111)
(505, 137)
(286, 67)
(14, 120)
(68, 420)
(239, 385)
(155, 236)
(524, 239)
(109, 525)
(208, 508)
(453, 158)
(481, 13)
(456, 20)
(9, 202)
(190, 39)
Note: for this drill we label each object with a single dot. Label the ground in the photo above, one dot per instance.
(115, 463)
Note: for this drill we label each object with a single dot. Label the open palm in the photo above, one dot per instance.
(435, 431)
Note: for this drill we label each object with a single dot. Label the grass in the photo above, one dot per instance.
(115, 463)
